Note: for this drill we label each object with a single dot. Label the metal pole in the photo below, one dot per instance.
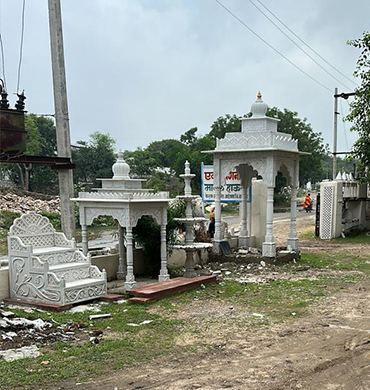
(335, 133)
(61, 116)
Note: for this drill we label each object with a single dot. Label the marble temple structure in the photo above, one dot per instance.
(257, 150)
(126, 201)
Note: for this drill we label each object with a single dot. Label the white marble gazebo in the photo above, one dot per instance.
(126, 201)
(259, 149)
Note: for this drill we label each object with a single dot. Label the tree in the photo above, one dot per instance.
(93, 159)
(310, 167)
(189, 138)
(225, 124)
(42, 177)
(41, 141)
(360, 107)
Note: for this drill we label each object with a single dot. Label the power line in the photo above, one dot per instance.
(21, 45)
(306, 44)
(2, 50)
(296, 44)
(272, 47)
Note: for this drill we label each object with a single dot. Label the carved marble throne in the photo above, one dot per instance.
(44, 266)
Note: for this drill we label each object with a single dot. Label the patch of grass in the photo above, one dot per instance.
(123, 345)
(336, 261)
(355, 238)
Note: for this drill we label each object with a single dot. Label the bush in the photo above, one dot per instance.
(7, 218)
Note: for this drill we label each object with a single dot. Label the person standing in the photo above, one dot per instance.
(211, 226)
(307, 204)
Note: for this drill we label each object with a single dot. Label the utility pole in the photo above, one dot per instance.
(61, 116)
(336, 113)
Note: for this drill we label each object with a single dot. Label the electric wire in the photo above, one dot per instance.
(272, 47)
(21, 45)
(296, 44)
(306, 44)
(2, 49)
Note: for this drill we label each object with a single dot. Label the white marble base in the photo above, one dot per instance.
(129, 285)
(121, 275)
(269, 249)
(294, 243)
(163, 278)
(244, 241)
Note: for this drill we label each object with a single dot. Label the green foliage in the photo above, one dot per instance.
(161, 181)
(360, 107)
(189, 138)
(7, 218)
(43, 178)
(147, 233)
(225, 124)
(93, 159)
(41, 141)
(310, 167)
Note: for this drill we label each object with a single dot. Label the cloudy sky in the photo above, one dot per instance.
(146, 70)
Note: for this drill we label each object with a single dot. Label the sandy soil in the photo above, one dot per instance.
(328, 349)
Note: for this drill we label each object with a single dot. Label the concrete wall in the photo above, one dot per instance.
(4, 282)
(175, 259)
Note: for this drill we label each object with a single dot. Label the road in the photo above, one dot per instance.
(234, 221)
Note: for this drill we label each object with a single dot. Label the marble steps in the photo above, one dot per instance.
(155, 291)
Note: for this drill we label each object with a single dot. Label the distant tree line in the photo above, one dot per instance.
(161, 162)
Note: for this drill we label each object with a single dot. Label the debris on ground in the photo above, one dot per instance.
(141, 323)
(82, 308)
(18, 332)
(10, 355)
(98, 316)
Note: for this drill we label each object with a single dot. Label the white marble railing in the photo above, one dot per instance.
(122, 196)
(234, 141)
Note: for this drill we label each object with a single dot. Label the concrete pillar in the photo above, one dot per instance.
(269, 246)
(293, 239)
(61, 117)
(244, 239)
(130, 277)
(163, 274)
(85, 242)
(121, 273)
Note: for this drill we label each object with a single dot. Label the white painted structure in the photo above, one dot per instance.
(189, 245)
(344, 205)
(44, 266)
(259, 149)
(126, 201)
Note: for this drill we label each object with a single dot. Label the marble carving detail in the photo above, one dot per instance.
(54, 274)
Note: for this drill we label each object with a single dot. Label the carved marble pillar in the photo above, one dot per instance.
(130, 277)
(163, 274)
(293, 239)
(269, 246)
(121, 273)
(244, 239)
(85, 242)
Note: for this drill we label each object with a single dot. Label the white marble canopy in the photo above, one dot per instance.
(259, 149)
(126, 201)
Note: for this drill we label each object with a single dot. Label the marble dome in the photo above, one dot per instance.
(259, 108)
(120, 168)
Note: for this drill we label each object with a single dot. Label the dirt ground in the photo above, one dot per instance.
(329, 348)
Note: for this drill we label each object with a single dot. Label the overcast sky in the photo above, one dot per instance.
(147, 70)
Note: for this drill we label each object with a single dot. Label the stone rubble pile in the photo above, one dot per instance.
(22, 332)
(22, 204)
